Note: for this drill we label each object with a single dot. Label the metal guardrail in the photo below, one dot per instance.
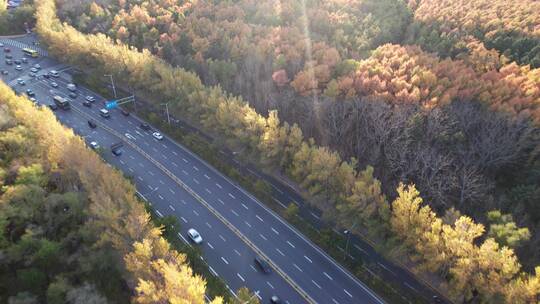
(297, 288)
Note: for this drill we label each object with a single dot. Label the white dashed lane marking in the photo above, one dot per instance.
(296, 266)
(219, 186)
(224, 261)
(172, 208)
(232, 196)
(280, 252)
(328, 276)
(290, 244)
(241, 278)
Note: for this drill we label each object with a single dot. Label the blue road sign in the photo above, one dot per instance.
(111, 104)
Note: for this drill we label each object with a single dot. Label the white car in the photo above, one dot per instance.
(129, 136)
(194, 236)
(94, 145)
(54, 84)
(18, 68)
(157, 135)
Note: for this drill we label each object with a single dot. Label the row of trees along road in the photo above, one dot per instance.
(396, 132)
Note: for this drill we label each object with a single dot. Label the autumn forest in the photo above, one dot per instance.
(415, 122)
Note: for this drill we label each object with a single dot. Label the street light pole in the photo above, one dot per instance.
(348, 234)
(112, 82)
(167, 109)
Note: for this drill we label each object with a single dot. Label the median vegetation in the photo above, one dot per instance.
(72, 230)
(471, 262)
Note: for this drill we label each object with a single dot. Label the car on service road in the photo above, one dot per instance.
(92, 124)
(195, 236)
(87, 104)
(124, 112)
(73, 95)
(54, 84)
(30, 93)
(20, 81)
(157, 135)
(90, 98)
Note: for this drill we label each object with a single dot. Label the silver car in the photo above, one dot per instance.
(194, 236)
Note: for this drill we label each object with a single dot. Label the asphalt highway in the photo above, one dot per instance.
(235, 227)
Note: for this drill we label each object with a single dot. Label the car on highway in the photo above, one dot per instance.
(73, 95)
(72, 87)
(104, 113)
(124, 112)
(94, 145)
(1, 44)
(92, 124)
(54, 73)
(18, 68)
(275, 300)
(195, 236)
(157, 135)
(16, 61)
(30, 93)
(117, 152)
(9, 56)
(37, 66)
(34, 70)
(145, 126)
(90, 98)
(20, 81)
(53, 107)
(262, 264)
(87, 103)
(9, 62)
(32, 74)
(129, 136)
(24, 60)
(4, 72)
(54, 84)
(7, 50)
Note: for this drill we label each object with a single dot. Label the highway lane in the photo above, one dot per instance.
(305, 264)
(308, 267)
(226, 254)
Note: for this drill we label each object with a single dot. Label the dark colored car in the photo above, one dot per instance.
(117, 152)
(53, 107)
(8, 56)
(5, 72)
(92, 124)
(263, 265)
(124, 112)
(87, 103)
(72, 95)
(17, 61)
(7, 50)
(47, 76)
(145, 127)
(30, 93)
